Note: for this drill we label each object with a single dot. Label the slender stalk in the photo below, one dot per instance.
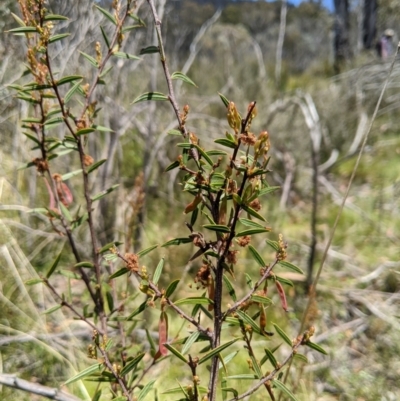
(172, 99)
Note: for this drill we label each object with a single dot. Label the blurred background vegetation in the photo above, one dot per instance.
(316, 104)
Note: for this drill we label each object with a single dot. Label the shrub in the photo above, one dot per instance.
(225, 188)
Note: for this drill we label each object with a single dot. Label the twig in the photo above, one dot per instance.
(159, 294)
(237, 304)
(11, 380)
(172, 99)
(272, 374)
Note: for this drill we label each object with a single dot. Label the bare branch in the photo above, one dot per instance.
(11, 380)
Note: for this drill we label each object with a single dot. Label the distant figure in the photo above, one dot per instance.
(385, 45)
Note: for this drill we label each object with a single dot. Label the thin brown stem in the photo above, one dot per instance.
(160, 294)
(271, 376)
(237, 304)
(171, 94)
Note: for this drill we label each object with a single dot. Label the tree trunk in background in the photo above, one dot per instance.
(342, 48)
(369, 23)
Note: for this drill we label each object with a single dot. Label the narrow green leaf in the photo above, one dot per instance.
(302, 357)
(175, 352)
(291, 266)
(256, 256)
(101, 128)
(131, 27)
(273, 244)
(103, 32)
(55, 17)
(278, 384)
(224, 99)
(171, 288)
(177, 241)
(182, 77)
(19, 20)
(32, 138)
(284, 280)
(66, 213)
(91, 59)
(40, 210)
(151, 96)
(190, 341)
(230, 288)
(261, 299)
(270, 356)
(157, 273)
(118, 273)
(249, 280)
(177, 390)
(151, 342)
(316, 347)
(136, 18)
(232, 321)
(216, 351)
(110, 301)
(150, 49)
(107, 14)
(237, 199)
(226, 390)
(247, 319)
(53, 121)
(253, 213)
(108, 246)
(256, 367)
(23, 29)
(173, 165)
(250, 223)
(84, 264)
(58, 37)
(217, 227)
(244, 376)
(51, 310)
(69, 78)
(95, 166)
(283, 335)
(216, 153)
(106, 71)
(69, 94)
(194, 216)
(174, 132)
(69, 274)
(184, 145)
(147, 250)
(104, 193)
(53, 266)
(138, 310)
(110, 257)
(97, 396)
(226, 142)
(132, 364)
(227, 359)
(35, 86)
(204, 154)
(267, 190)
(253, 231)
(119, 398)
(34, 281)
(67, 176)
(126, 55)
(194, 301)
(86, 372)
